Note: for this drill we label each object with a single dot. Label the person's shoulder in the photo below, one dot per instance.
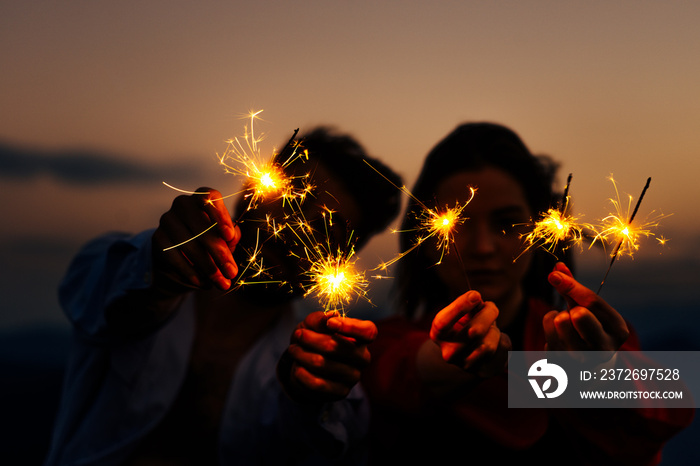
(111, 238)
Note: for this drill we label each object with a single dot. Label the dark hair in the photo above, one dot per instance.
(470, 147)
(340, 154)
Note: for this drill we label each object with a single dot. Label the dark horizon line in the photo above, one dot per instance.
(85, 167)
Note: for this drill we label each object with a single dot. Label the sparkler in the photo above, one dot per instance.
(440, 223)
(555, 226)
(265, 179)
(254, 272)
(335, 280)
(332, 277)
(616, 229)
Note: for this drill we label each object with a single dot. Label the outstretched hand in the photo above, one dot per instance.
(468, 337)
(202, 260)
(589, 324)
(326, 356)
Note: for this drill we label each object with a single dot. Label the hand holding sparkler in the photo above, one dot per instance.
(193, 244)
(468, 337)
(325, 357)
(589, 324)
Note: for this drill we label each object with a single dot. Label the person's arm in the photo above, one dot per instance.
(632, 435)
(121, 286)
(192, 248)
(319, 374)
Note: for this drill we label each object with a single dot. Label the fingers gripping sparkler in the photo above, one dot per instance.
(264, 180)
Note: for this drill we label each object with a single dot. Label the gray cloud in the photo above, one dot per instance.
(84, 167)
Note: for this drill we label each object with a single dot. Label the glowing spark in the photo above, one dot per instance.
(184, 190)
(617, 228)
(331, 276)
(254, 272)
(442, 224)
(265, 180)
(190, 239)
(662, 241)
(554, 227)
(335, 282)
(431, 222)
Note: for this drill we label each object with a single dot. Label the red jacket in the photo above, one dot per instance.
(411, 425)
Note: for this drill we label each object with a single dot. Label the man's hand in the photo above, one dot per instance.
(201, 260)
(468, 337)
(327, 354)
(590, 324)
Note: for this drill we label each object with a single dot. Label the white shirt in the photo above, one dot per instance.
(116, 391)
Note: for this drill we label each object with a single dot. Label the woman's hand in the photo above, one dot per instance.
(201, 260)
(468, 337)
(590, 324)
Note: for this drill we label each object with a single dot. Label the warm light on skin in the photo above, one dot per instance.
(265, 180)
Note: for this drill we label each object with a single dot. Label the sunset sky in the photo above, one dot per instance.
(150, 90)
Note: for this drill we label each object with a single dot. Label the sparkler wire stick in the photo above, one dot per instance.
(267, 178)
(622, 239)
(565, 199)
(464, 269)
(190, 239)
